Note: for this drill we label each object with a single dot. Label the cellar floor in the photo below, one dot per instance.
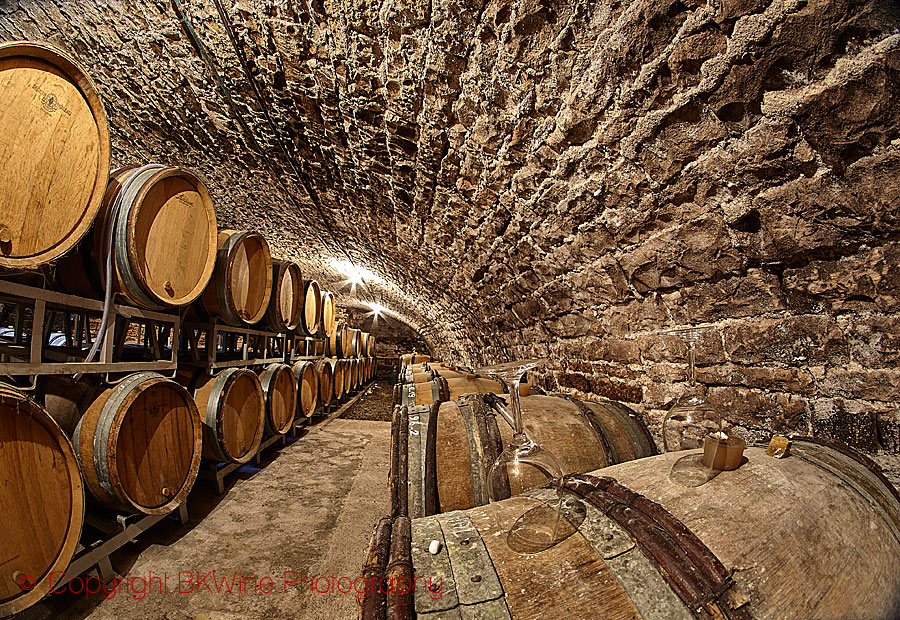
(303, 519)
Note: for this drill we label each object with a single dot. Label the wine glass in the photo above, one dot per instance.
(690, 421)
(531, 522)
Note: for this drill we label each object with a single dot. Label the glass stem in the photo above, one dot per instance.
(691, 362)
(516, 408)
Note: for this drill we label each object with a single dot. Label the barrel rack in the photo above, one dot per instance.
(116, 530)
(216, 346)
(32, 349)
(51, 334)
(217, 472)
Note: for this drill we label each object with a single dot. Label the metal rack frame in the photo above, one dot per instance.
(257, 347)
(31, 348)
(118, 530)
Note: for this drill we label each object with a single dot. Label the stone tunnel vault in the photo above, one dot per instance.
(548, 178)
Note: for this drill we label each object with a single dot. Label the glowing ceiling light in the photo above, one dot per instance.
(377, 308)
(355, 273)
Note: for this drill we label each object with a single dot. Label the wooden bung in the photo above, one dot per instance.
(42, 499)
(139, 444)
(277, 381)
(242, 280)
(53, 173)
(232, 407)
(285, 310)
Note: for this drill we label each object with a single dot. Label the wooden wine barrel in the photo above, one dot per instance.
(42, 496)
(160, 225)
(280, 392)
(440, 389)
(357, 373)
(326, 382)
(340, 343)
(312, 308)
(139, 444)
(242, 281)
(371, 351)
(410, 359)
(328, 321)
(285, 310)
(232, 407)
(353, 373)
(54, 159)
(455, 443)
(307, 381)
(348, 377)
(813, 535)
(337, 375)
(363, 343)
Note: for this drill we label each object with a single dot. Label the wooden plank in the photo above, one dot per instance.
(67, 368)
(568, 576)
(435, 569)
(473, 571)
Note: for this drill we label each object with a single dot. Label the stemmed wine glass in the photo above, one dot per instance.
(690, 420)
(531, 524)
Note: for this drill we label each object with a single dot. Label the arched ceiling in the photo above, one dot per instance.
(468, 152)
(561, 178)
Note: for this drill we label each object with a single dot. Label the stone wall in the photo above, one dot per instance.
(554, 178)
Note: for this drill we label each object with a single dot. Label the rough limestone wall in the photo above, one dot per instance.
(555, 178)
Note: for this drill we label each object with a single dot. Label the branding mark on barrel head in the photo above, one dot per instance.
(50, 102)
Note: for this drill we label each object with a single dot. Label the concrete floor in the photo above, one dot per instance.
(308, 512)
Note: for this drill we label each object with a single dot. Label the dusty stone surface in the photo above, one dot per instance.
(376, 404)
(312, 508)
(549, 178)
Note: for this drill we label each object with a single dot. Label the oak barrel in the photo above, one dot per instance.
(285, 310)
(326, 382)
(357, 373)
(42, 499)
(242, 281)
(813, 535)
(340, 342)
(337, 376)
(440, 389)
(280, 391)
(328, 324)
(232, 407)
(355, 342)
(371, 349)
(158, 226)
(348, 376)
(410, 359)
(54, 160)
(307, 381)
(363, 344)
(139, 444)
(312, 308)
(452, 445)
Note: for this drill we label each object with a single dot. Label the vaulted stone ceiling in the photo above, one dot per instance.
(552, 178)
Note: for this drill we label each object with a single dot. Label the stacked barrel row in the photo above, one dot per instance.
(350, 354)
(424, 382)
(145, 236)
(629, 542)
